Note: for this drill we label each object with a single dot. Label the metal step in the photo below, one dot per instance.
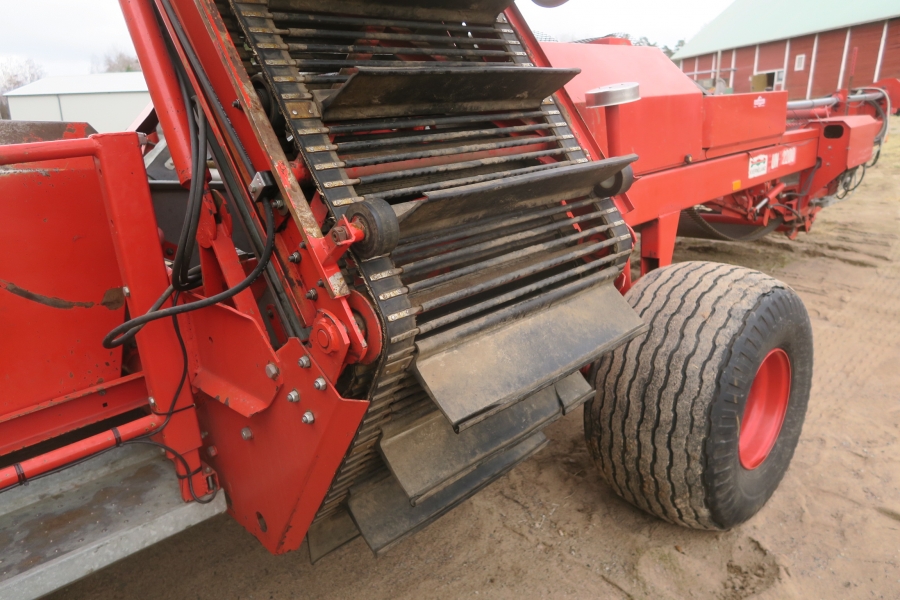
(384, 516)
(507, 362)
(61, 528)
(427, 455)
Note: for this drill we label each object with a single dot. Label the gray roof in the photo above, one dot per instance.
(100, 83)
(751, 22)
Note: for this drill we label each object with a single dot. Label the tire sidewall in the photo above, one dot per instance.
(734, 493)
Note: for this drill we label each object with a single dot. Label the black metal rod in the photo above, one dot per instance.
(381, 35)
(443, 185)
(405, 122)
(517, 293)
(366, 22)
(439, 137)
(389, 158)
(363, 49)
(460, 166)
(433, 262)
(444, 236)
(316, 63)
(509, 257)
(521, 308)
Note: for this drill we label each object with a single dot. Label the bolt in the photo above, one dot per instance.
(271, 371)
(212, 450)
(303, 245)
(152, 402)
(293, 112)
(304, 362)
(126, 291)
(294, 258)
(293, 396)
(207, 470)
(320, 283)
(308, 418)
(278, 203)
(312, 295)
(320, 384)
(247, 434)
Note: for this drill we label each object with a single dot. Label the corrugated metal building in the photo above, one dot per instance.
(108, 101)
(804, 46)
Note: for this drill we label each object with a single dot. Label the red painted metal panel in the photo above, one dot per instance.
(828, 62)
(744, 66)
(663, 127)
(771, 56)
(735, 118)
(797, 81)
(867, 39)
(67, 413)
(60, 289)
(890, 61)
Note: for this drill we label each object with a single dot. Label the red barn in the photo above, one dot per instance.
(810, 48)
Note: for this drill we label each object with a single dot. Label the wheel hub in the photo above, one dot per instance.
(766, 407)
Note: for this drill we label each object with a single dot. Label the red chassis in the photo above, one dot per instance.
(271, 429)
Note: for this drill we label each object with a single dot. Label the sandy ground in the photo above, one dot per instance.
(552, 528)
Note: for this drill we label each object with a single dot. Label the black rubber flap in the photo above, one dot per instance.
(459, 11)
(493, 369)
(374, 92)
(384, 516)
(427, 455)
(476, 201)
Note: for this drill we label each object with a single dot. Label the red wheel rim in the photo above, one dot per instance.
(766, 406)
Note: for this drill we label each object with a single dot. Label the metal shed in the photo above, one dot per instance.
(108, 101)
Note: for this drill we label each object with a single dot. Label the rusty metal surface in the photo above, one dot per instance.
(61, 528)
(25, 132)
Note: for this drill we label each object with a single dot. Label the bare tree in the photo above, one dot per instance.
(115, 61)
(14, 73)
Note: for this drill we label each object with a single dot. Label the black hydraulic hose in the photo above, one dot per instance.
(117, 336)
(188, 238)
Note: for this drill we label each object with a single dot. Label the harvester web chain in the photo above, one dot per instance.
(295, 82)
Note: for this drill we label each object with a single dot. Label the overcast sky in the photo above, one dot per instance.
(65, 35)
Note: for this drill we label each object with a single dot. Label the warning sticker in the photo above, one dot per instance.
(789, 156)
(759, 166)
(774, 161)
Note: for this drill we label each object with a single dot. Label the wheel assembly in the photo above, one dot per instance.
(696, 421)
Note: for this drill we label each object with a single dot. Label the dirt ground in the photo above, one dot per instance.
(551, 528)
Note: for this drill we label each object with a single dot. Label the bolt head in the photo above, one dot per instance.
(312, 294)
(320, 384)
(125, 291)
(308, 418)
(212, 450)
(304, 362)
(272, 371)
(295, 257)
(293, 396)
(247, 433)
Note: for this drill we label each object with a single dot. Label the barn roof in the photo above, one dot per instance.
(751, 22)
(100, 83)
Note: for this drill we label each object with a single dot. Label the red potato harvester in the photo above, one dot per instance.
(359, 255)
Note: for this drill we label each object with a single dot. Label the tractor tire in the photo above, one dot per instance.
(696, 421)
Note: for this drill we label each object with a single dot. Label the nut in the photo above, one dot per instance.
(320, 384)
(304, 362)
(293, 396)
(247, 433)
(308, 418)
(340, 234)
(212, 450)
(294, 258)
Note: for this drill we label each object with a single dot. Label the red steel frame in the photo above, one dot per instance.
(233, 424)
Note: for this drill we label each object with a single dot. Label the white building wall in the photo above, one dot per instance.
(34, 108)
(104, 112)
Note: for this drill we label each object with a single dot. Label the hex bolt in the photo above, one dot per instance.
(320, 384)
(312, 294)
(247, 434)
(294, 258)
(126, 291)
(308, 418)
(212, 450)
(320, 283)
(278, 203)
(304, 362)
(271, 371)
(152, 402)
(293, 396)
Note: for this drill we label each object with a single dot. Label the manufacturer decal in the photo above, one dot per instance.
(759, 166)
(760, 102)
